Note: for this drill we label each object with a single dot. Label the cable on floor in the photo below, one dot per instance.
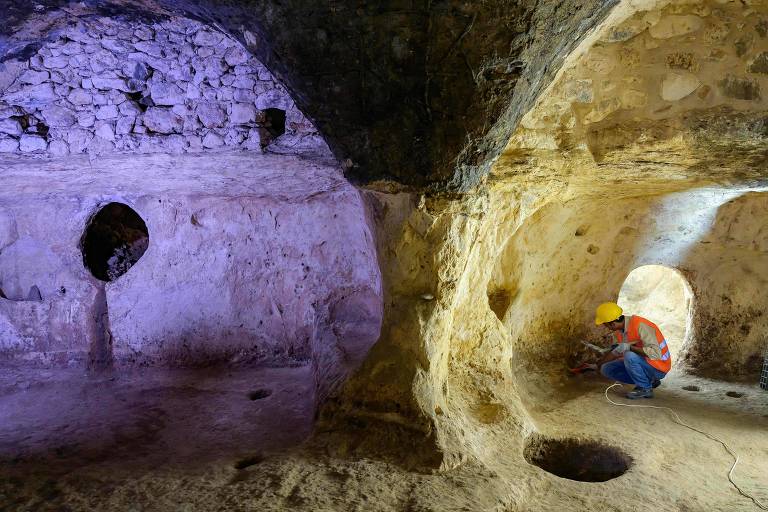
(677, 420)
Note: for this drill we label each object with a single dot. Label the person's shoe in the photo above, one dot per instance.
(640, 393)
(656, 383)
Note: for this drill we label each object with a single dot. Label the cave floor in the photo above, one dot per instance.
(162, 440)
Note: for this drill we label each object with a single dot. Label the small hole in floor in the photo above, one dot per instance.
(248, 461)
(734, 394)
(576, 459)
(259, 394)
(691, 388)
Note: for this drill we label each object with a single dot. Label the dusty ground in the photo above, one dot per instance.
(160, 440)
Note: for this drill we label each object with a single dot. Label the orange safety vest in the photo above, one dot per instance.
(632, 335)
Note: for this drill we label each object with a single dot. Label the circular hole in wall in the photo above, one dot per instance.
(577, 459)
(661, 295)
(114, 240)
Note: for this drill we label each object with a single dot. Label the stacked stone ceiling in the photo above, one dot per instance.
(424, 95)
(101, 85)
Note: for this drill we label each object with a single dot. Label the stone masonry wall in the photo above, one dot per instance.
(107, 85)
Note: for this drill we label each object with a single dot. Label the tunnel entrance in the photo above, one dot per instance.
(662, 295)
(577, 459)
(114, 240)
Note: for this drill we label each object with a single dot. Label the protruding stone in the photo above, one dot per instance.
(150, 48)
(59, 62)
(235, 56)
(676, 86)
(207, 38)
(105, 131)
(675, 25)
(58, 148)
(78, 140)
(739, 88)
(144, 33)
(10, 127)
(210, 114)
(124, 125)
(32, 143)
(80, 97)
(161, 120)
(242, 113)
(211, 140)
(86, 120)
(164, 93)
(58, 117)
(34, 77)
(759, 64)
(102, 61)
(129, 108)
(579, 91)
(106, 112)
(8, 145)
(243, 82)
(105, 84)
(32, 96)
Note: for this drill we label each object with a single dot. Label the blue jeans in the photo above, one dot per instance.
(634, 369)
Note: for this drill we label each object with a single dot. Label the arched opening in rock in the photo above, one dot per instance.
(114, 240)
(577, 459)
(662, 295)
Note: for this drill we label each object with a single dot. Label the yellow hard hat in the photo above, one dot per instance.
(607, 312)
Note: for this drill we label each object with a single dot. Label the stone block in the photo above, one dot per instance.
(80, 96)
(273, 99)
(78, 140)
(72, 48)
(86, 120)
(211, 140)
(235, 56)
(676, 86)
(242, 113)
(210, 114)
(167, 94)
(10, 127)
(205, 37)
(102, 61)
(8, 145)
(759, 64)
(106, 112)
(162, 120)
(117, 46)
(105, 84)
(105, 130)
(34, 77)
(32, 143)
(150, 48)
(124, 125)
(129, 108)
(58, 117)
(32, 95)
(675, 25)
(59, 62)
(739, 88)
(243, 82)
(144, 33)
(58, 148)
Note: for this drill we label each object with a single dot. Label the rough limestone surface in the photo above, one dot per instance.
(185, 80)
(251, 258)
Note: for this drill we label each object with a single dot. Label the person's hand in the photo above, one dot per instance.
(621, 348)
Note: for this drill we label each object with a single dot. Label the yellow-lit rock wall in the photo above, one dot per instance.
(648, 148)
